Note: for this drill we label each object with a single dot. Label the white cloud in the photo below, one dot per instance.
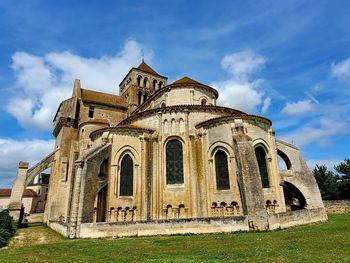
(242, 64)
(43, 82)
(298, 108)
(321, 133)
(266, 105)
(13, 151)
(341, 69)
(239, 91)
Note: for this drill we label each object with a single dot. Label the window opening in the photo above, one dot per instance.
(261, 158)
(174, 162)
(126, 176)
(221, 169)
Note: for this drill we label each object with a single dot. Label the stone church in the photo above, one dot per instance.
(166, 159)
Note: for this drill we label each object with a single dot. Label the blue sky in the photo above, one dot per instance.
(286, 60)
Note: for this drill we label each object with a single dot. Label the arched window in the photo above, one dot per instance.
(261, 158)
(160, 84)
(204, 102)
(174, 162)
(145, 82)
(140, 97)
(126, 176)
(221, 169)
(139, 81)
(155, 84)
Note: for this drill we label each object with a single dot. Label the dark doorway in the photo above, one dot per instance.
(101, 205)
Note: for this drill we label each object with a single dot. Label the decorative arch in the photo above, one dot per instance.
(124, 150)
(261, 157)
(220, 145)
(174, 161)
(261, 142)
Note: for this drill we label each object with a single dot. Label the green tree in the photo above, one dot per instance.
(343, 169)
(327, 182)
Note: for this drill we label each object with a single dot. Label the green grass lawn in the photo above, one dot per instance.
(328, 242)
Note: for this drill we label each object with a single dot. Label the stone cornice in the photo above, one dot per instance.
(98, 132)
(232, 117)
(176, 108)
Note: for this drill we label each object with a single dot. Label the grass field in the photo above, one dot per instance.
(328, 242)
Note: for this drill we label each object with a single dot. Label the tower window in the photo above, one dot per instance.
(160, 84)
(221, 169)
(139, 81)
(154, 84)
(261, 158)
(126, 176)
(145, 82)
(140, 97)
(174, 162)
(91, 111)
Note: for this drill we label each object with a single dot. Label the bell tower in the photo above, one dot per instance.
(139, 84)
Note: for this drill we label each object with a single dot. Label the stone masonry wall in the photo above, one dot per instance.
(164, 227)
(295, 218)
(337, 206)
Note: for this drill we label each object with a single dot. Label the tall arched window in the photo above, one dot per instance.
(155, 84)
(261, 158)
(221, 169)
(174, 162)
(139, 78)
(126, 176)
(145, 82)
(140, 97)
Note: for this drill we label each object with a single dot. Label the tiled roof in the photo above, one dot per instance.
(185, 80)
(103, 98)
(144, 67)
(27, 192)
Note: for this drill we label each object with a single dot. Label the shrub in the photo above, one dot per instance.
(7, 227)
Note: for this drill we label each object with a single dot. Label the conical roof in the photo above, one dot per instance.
(186, 80)
(144, 67)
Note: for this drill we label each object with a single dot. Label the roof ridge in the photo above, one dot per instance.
(146, 68)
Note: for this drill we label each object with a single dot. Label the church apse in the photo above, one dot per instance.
(163, 158)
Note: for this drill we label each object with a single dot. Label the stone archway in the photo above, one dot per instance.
(293, 197)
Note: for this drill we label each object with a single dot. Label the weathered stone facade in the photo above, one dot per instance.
(165, 159)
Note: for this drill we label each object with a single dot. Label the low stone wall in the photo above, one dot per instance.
(35, 218)
(295, 218)
(59, 227)
(337, 206)
(164, 227)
